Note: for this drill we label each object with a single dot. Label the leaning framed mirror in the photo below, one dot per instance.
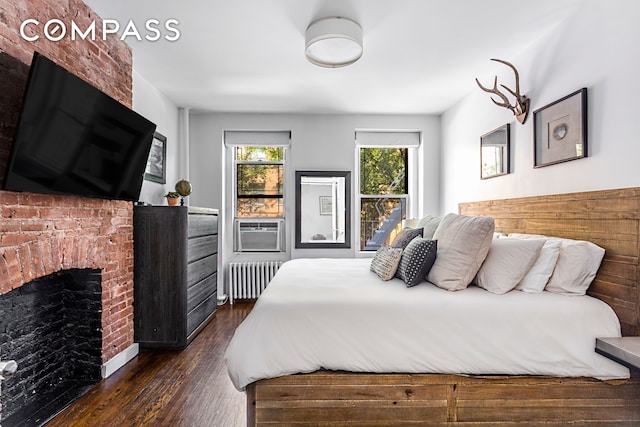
(323, 210)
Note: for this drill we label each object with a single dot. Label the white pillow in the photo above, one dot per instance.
(576, 268)
(577, 265)
(463, 243)
(410, 223)
(531, 236)
(538, 275)
(507, 263)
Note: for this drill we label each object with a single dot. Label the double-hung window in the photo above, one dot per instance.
(259, 182)
(385, 175)
(259, 172)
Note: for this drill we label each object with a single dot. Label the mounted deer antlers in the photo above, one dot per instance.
(521, 107)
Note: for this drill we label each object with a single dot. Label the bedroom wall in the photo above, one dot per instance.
(316, 224)
(154, 105)
(594, 49)
(319, 142)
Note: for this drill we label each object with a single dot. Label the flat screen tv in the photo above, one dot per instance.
(74, 139)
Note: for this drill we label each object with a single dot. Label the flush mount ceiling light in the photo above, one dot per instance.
(333, 42)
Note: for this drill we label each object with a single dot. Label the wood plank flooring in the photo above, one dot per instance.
(169, 388)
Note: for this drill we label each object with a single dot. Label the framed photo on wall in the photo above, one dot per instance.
(326, 205)
(156, 163)
(560, 130)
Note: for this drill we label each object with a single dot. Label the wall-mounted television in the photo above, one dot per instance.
(74, 139)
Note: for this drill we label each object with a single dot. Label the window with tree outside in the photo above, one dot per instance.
(383, 194)
(259, 182)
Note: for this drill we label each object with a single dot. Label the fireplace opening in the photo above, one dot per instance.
(51, 326)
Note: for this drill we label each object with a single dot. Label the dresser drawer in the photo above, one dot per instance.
(201, 312)
(198, 270)
(201, 290)
(201, 247)
(202, 225)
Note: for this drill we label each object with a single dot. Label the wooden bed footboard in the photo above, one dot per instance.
(608, 218)
(331, 399)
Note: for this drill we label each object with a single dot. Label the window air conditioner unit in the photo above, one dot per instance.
(259, 235)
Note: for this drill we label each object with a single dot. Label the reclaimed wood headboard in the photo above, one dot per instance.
(608, 218)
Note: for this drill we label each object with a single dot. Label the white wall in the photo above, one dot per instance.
(597, 49)
(318, 142)
(315, 223)
(155, 106)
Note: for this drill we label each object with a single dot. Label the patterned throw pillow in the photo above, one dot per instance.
(385, 262)
(403, 239)
(417, 259)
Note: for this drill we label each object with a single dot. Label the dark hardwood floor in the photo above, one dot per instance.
(169, 388)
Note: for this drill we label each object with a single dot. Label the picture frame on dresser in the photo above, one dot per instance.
(560, 130)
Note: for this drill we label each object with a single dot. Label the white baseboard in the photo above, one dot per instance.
(119, 360)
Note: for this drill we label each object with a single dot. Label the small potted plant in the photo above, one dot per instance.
(173, 198)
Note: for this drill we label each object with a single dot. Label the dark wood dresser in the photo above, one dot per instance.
(175, 273)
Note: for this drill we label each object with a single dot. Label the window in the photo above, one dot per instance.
(383, 195)
(384, 184)
(259, 182)
(257, 198)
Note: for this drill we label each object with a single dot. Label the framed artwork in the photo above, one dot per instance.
(156, 163)
(326, 205)
(494, 152)
(560, 130)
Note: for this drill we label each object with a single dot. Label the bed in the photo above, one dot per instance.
(444, 396)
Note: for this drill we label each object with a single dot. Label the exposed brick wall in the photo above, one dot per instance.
(41, 234)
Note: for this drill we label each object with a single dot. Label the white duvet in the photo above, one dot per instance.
(335, 314)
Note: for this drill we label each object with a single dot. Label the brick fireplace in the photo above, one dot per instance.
(43, 234)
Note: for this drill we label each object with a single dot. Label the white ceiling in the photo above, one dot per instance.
(420, 56)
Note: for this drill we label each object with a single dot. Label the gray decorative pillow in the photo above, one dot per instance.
(385, 262)
(403, 239)
(429, 224)
(417, 259)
